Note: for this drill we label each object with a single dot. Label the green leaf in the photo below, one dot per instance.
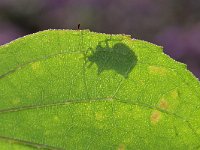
(66, 89)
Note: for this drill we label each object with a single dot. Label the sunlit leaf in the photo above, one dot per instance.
(67, 89)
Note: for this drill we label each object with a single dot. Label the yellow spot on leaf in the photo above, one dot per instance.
(121, 147)
(155, 117)
(157, 70)
(163, 104)
(174, 94)
(35, 65)
(15, 101)
(99, 116)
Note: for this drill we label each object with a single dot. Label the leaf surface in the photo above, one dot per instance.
(67, 89)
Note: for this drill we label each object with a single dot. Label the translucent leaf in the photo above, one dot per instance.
(67, 89)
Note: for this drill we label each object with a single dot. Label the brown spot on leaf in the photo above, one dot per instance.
(163, 104)
(121, 147)
(155, 117)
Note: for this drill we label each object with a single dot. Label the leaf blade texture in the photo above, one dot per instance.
(67, 89)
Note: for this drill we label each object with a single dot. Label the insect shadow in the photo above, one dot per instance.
(119, 58)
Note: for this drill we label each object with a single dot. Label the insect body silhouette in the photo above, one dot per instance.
(79, 26)
(119, 58)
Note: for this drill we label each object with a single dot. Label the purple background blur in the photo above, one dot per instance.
(173, 24)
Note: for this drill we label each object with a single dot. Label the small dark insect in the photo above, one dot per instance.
(79, 26)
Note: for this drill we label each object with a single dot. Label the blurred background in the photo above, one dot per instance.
(173, 24)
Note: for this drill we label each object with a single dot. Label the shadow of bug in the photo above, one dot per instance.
(119, 58)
